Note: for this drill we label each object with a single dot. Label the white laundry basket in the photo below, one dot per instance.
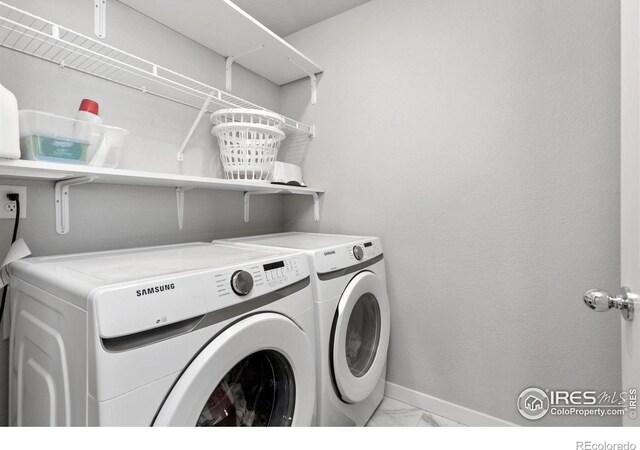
(247, 116)
(248, 151)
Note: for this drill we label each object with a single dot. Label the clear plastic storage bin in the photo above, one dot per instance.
(47, 137)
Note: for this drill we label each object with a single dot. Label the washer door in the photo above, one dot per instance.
(360, 337)
(258, 372)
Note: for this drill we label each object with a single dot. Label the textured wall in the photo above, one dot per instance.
(480, 140)
(109, 217)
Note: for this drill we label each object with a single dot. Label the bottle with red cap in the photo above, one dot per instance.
(88, 112)
(88, 117)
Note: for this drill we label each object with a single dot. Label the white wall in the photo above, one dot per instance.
(480, 140)
(108, 217)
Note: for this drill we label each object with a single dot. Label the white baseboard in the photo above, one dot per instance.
(443, 408)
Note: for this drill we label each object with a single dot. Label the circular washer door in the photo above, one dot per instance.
(361, 337)
(258, 372)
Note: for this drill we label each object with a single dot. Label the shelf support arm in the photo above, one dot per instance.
(62, 201)
(100, 18)
(316, 202)
(247, 203)
(205, 105)
(312, 79)
(180, 200)
(229, 65)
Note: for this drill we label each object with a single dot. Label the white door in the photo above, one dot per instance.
(630, 191)
(360, 337)
(258, 372)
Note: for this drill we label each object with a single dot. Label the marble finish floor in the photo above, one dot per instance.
(392, 413)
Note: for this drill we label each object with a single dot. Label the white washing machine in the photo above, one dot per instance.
(352, 320)
(195, 334)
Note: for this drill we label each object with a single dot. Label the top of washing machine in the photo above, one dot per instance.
(144, 288)
(332, 253)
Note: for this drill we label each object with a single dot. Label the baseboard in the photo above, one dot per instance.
(443, 408)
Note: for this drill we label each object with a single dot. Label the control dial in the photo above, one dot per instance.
(358, 252)
(241, 282)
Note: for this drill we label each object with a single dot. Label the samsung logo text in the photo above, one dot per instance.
(155, 289)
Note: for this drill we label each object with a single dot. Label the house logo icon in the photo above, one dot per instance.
(533, 403)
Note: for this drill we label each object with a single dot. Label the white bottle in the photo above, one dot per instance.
(97, 137)
(88, 114)
(9, 128)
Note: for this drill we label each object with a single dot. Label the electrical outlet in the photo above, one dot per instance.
(7, 207)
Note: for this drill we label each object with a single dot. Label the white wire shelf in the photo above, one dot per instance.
(26, 33)
(38, 37)
(67, 175)
(225, 28)
(43, 170)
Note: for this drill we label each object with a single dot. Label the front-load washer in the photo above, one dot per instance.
(194, 334)
(352, 320)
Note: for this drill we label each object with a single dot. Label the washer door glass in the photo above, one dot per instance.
(363, 334)
(258, 391)
(260, 371)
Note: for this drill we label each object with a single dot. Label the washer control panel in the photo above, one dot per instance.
(152, 303)
(332, 259)
(278, 273)
(258, 278)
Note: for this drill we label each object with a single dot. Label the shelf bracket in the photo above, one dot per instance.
(204, 108)
(62, 201)
(100, 18)
(180, 199)
(312, 79)
(316, 202)
(231, 60)
(247, 204)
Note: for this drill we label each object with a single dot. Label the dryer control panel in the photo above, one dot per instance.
(337, 258)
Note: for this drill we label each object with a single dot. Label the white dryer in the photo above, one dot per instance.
(352, 320)
(195, 334)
